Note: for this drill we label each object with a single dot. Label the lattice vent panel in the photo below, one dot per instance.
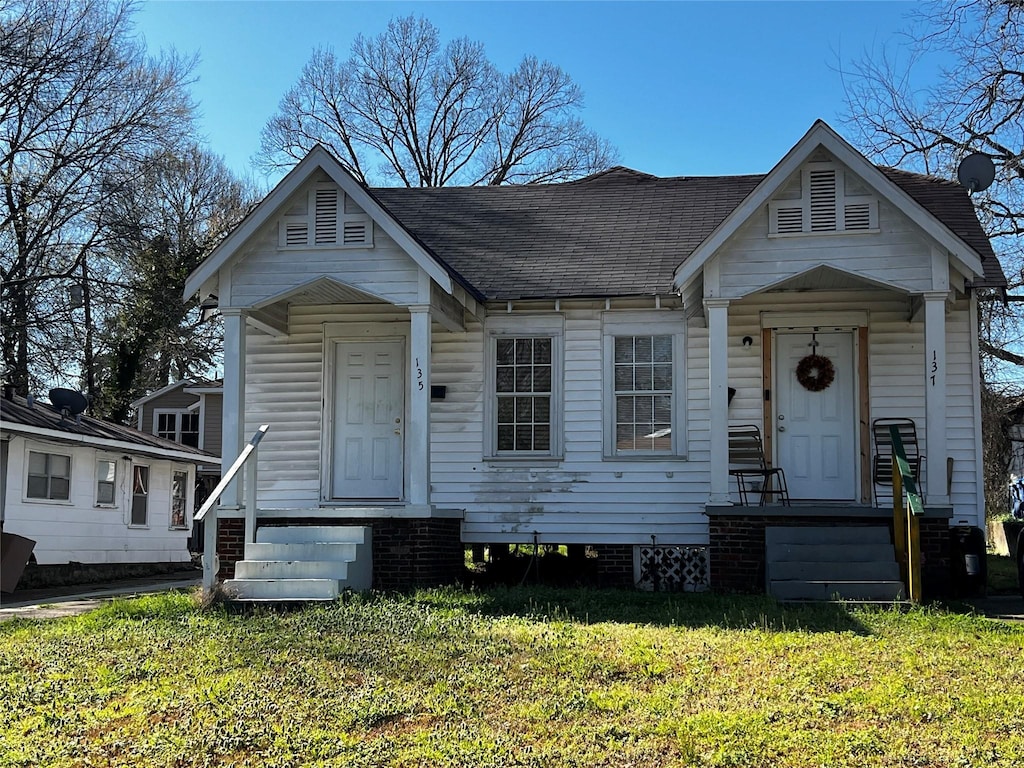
(672, 569)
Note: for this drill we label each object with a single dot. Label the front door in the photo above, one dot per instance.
(815, 431)
(369, 413)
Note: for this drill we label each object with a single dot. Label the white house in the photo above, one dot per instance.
(553, 363)
(89, 491)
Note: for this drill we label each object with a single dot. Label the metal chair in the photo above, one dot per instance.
(747, 463)
(881, 462)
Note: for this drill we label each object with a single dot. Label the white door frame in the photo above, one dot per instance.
(335, 333)
(855, 322)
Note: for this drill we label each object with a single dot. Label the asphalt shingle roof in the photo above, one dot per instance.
(43, 416)
(616, 233)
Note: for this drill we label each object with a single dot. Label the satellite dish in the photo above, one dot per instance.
(68, 402)
(976, 172)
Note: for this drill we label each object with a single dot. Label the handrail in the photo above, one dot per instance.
(906, 524)
(210, 563)
(211, 500)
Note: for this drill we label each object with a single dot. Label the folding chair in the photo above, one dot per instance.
(881, 463)
(747, 463)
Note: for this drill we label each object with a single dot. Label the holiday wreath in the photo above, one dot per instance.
(815, 373)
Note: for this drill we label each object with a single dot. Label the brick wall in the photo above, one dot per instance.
(736, 550)
(614, 565)
(230, 545)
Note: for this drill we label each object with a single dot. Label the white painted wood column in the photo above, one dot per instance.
(936, 450)
(233, 420)
(417, 430)
(718, 394)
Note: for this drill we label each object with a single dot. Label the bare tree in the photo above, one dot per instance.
(975, 104)
(404, 108)
(160, 227)
(82, 109)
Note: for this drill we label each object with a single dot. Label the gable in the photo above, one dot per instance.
(822, 197)
(322, 215)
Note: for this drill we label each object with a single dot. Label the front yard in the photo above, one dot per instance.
(512, 678)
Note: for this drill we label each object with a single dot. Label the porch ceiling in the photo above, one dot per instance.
(324, 291)
(825, 278)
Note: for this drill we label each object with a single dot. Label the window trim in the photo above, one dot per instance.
(655, 323)
(524, 326)
(48, 450)
(178, 414)
(149, 495)
(189, 498)
(96, 482)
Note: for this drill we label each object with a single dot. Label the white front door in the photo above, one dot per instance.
(815, 432)
(369, 415)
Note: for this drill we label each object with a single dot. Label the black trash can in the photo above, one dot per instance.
(969, 564)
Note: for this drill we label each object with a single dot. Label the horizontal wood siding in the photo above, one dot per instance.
(898, 255)
(213, 424)
(81, 532)
(266, 270)
(175, 400)
(896, 365)
(284, 378)
(584, 498)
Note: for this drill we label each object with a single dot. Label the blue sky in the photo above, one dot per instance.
(681, 88)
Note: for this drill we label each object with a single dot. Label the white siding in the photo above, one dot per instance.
(265, 269)
(896, 367)
(79, 531)
(898, 255)
(584, 498)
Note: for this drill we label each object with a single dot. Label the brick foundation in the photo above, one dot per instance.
(737, 549)
(407, 552)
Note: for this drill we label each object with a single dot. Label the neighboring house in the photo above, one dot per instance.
(188, 412)
(553, 363)
(89, 491)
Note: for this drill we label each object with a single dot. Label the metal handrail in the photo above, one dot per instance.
(211, 500)
(210, 566)
(906, 519)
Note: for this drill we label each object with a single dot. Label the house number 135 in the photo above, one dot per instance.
(419, 375)
(935, 366)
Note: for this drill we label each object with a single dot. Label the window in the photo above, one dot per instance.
(643, 385)
(140, 495)
(179, 426)
(825, 200)
(49, 476)
(179, 499)
(524, 375)
(106, 482)
(327, 217)
(643, 393)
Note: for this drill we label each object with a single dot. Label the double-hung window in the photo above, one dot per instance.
(106, 482)
(179, 426)
(524, 410)
(644, 385)
(179, 499)
(49, 476)
(140, 495)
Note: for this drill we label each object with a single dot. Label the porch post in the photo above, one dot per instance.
(233, 419)
(718, 389)
(417, 431)
(936, 490)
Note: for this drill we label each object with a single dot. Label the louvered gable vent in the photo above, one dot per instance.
(823, 203)
(328, 218)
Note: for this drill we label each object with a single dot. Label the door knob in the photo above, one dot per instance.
(782, 429)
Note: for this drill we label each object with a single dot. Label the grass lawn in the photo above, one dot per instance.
(528, 677)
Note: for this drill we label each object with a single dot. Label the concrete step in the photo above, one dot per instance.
(281, 589)
(846, 534)
(291, 569)
(314, 534)
(819, 553)
(832, 570)
(874, 591)
(301, 551)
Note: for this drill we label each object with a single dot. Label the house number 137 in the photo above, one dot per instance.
(419, 375)
(935, 366)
